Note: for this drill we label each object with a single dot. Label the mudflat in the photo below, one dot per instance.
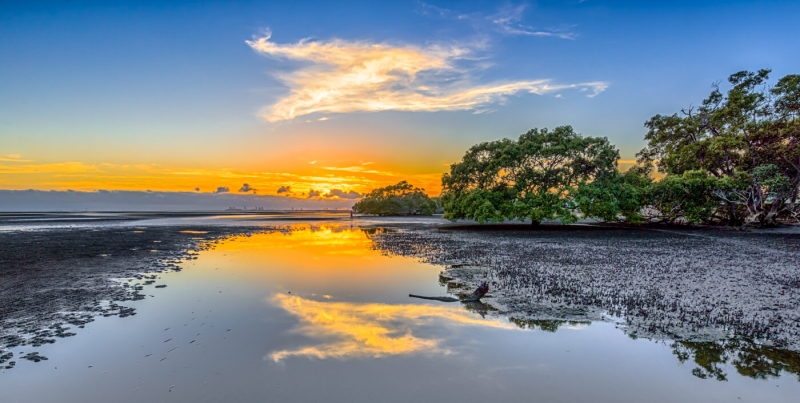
(58, 277)
(680, 284)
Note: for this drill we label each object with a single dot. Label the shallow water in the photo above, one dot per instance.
(315, 314)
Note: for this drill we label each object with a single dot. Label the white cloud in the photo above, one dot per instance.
(342, 76)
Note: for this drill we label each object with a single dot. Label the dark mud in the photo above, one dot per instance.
(53, 281)
(685, 285)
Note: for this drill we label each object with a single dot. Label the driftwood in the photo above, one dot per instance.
(475, 296)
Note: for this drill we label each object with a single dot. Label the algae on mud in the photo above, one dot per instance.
(688, 285)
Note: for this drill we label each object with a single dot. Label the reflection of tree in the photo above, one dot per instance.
(453, 287)
(376, 231)
(761, 362)
(708, 356)
(548, 325)
(478, 307)
(750, 359)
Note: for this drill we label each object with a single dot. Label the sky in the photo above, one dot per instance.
(312, 100)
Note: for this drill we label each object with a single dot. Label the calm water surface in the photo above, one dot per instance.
(314, 314)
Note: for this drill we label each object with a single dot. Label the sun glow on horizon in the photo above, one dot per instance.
(313, 180)
(307, 181)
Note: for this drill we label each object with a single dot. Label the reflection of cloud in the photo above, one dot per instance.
(348, 77)
(351, 330)
(342, 194)
(222, 189)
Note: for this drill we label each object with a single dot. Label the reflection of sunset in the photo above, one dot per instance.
(326, 239)
(326, 258)
(349, 330)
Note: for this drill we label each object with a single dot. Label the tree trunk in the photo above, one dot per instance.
(772, 215)
(734, 220)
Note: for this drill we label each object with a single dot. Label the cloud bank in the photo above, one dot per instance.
(339, 76)
(120, 200)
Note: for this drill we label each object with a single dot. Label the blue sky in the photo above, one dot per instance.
(174, 84)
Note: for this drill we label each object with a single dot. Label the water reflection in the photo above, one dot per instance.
(548, 325)
(749, 359)
(351, 330)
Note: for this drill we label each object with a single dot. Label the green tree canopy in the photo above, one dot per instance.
(740, 151)
(531, 178)
(399, 199)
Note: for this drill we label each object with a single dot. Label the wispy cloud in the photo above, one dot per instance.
(13, 158)
(360, 169)
(61, 167)
(342, 76)
(508, 21)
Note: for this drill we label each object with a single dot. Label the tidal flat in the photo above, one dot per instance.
(307, 307)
